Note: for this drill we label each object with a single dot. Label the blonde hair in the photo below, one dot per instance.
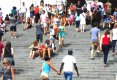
(5, 61)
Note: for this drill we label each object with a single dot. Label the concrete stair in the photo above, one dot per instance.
(26, 69)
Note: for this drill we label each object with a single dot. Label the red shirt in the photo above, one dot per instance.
(36, 10)
(105, 40)
(72, 8)
(1, 48)
(41, 47)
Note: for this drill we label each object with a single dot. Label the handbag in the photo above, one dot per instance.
(13, 62)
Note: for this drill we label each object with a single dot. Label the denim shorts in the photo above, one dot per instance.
(68, 75)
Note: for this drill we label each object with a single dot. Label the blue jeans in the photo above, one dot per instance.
(39, 37)
(113, 45)
(68, 75)
(105, 49)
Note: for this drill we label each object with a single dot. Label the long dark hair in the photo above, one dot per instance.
(8, 46)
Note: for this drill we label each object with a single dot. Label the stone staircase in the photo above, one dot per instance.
(26, 69)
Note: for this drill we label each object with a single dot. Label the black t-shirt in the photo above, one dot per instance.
(77, 8)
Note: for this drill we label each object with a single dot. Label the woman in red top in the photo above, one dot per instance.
(104, 45)
(37, 15)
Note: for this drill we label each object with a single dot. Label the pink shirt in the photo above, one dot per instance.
(93, 4)
(44, 17)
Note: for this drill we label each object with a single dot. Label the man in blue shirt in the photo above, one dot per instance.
(39, 32)
(95, 37)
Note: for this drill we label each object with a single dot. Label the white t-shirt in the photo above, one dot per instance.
(114, 31)
(88, 5)
(51, 33)
(100, 3)
(64, 2)
(56, 19)
(45, 9)
(68, 63)
(23, 9)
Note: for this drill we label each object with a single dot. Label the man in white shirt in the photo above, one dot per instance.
(67, 65)
(23, 11)
(23, 8)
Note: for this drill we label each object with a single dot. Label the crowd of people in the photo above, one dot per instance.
(52, 20)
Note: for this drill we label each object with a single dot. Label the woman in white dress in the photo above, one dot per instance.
(82, 21)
